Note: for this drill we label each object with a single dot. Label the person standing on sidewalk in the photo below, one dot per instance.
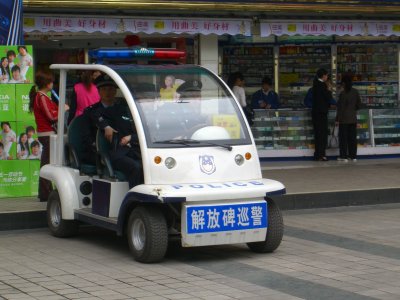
(46, 116)
(320, 107)
(346, 116)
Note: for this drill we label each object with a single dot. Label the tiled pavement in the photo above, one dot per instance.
(337, 253)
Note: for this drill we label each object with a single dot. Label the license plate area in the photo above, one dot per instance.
(224, 223)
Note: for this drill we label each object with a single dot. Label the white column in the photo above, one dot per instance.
(208, 46)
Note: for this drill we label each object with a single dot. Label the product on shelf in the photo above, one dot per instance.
(254, 62)
(374, 70)
(297, 68)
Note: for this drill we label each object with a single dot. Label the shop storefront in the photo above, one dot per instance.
(290, 52)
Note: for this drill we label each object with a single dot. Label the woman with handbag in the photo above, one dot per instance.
(346, 116)
(46, 116)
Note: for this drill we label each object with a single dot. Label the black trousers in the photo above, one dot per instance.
(348, 140)
(127, 161)
(45, 186)
(320, 124)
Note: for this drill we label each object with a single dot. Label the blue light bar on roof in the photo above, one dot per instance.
(123, 54)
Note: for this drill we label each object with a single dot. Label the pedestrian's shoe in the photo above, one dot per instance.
(353, 159)
(342, 159)
(324, 158)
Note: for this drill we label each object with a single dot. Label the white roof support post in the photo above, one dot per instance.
(61, 114)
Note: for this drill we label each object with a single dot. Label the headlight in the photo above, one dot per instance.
(170, 162)
(239, 160)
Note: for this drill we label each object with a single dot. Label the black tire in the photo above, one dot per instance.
(59, 227)
(274, 232)
(147, 234)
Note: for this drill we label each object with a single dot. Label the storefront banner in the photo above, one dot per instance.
(384, 28)
(133, 25)
(328, 28)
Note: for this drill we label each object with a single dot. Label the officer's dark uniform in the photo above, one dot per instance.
(126, 158)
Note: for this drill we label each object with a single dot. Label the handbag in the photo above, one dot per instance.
(333, 138)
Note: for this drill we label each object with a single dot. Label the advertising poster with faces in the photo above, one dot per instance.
(20, 150)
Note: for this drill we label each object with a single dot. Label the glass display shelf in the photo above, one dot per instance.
(253, 61)
(284, 129)
(386, 125)
(374, 70)
(297, 68)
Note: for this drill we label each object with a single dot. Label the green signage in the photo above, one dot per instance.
(15, 179)
(19, 175)
(22, 102)
(34, 165)
(7, 102)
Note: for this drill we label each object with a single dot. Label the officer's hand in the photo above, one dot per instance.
(125, 140)
(108, 133)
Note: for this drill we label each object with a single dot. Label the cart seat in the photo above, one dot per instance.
(75, 147)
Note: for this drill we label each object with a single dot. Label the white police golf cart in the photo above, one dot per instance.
(202, 177)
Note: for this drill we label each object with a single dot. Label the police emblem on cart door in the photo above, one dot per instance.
(207, 164)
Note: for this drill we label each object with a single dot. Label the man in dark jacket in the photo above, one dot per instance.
(116, 122)
(320, 107)
(93, 118)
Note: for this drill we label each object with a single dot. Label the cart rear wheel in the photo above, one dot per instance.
(59, 227)
(147, 234)
(274, 232)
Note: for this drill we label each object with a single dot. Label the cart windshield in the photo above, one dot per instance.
(184, 106)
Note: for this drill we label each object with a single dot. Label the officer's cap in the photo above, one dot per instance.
(104, 80)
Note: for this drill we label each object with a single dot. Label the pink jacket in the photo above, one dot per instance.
(85, 97)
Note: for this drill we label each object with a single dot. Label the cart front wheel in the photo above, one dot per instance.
(59, 227)
(147, 234)
(274, 232)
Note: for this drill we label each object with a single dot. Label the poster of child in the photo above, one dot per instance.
(35, 151)
(3, 154)
(30, 132)
(10, 57)
(23, 149)
(7, 137)
(25, 60)
(16, 76)
(4, 70)
(21, 57)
